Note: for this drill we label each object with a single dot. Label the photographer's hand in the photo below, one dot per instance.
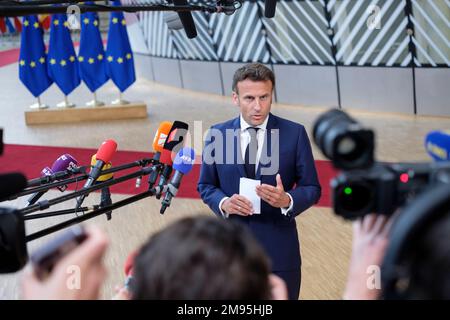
(78, 276)
(370, 239)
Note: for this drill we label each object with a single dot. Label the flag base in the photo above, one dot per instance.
(120, 102)
(95, 103)
(38, 105)
(65, 104)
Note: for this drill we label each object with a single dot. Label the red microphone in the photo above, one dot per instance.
(103, 155)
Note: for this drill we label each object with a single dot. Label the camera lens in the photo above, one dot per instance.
(353, 200)
(343, 140)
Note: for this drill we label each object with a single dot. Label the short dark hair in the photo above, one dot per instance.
(202, 258)
(430, 262)
(254, 72)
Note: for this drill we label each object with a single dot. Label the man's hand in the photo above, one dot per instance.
(237, 204)
(275, 196)
(78, 276)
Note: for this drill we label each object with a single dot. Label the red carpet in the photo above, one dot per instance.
(9, 56)
(30, 160)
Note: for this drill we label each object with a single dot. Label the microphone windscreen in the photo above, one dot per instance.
(437, 144)
(269, 8)
(176, 135)
(64, 162)
(184, 161)
(166, 157)
(10, 184)
(46, 172)
(161, 136)
(106, 150)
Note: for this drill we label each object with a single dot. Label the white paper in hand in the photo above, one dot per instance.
(247, 188)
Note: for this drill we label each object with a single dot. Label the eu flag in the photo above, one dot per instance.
(91, 56)
(120, 65)
(63, 65)
(33, 59)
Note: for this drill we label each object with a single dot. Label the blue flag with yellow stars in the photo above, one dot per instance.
(91, 56)
(62, 61)
(119, 58)
(32, 58)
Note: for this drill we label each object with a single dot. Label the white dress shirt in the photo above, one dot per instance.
(245, 140)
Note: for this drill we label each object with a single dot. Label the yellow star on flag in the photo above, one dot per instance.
(22, 62)
(32, 64)
(80, 58)
(56, 22)
(95, 23)
(72, 58)
(115, 20)
(119, 60)
(91, 60)
(26, 23)
(86, 21)
(100, 57)
(36, 25)
(124, 22)
(42, 60)
(110, 59)
(128, 56)
(63, 62)
(52, 61)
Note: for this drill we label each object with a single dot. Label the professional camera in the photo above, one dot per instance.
(366, 186)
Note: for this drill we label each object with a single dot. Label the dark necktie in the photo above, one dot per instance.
(250, 153)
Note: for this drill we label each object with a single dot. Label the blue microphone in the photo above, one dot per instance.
(437, 144)
(183, 163)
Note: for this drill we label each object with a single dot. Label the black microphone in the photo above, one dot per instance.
(174, 141)
(13, 249)
(158, 145)
(182, 164)
(11, 184)
(186, 19)
(269, 8)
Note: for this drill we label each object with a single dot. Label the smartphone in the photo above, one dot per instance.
(46, 257)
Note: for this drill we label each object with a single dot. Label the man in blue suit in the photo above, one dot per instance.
(261, 146)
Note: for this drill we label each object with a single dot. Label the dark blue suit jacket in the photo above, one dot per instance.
(276, 232)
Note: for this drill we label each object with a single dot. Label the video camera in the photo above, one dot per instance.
(365, 185)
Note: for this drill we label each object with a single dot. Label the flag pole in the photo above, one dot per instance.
(95, 102)
(120, 100)
(65, 103)
(39, 105)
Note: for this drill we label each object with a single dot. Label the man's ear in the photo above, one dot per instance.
(278, 288)
(235, 98)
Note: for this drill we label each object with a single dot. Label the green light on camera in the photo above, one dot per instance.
(348, 191)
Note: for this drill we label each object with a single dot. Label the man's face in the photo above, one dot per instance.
(254, 100)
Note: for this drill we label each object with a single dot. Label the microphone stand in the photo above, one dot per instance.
(45, 204)
(140, 163)
(90, 215)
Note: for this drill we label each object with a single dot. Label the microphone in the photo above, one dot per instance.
(103, 155)
(158, 144)
(269, 8)
(174, 141)
(182, 164)
(186, 19)
(105, 196)
(11, 184)
(437, 144)
(63, 163)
